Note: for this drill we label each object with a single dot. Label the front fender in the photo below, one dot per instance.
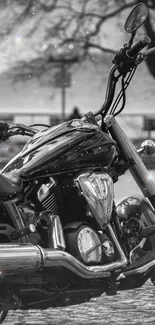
(139, 207)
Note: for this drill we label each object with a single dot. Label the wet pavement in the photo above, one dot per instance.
(129, 307)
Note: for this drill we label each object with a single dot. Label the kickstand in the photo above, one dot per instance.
(3, 315)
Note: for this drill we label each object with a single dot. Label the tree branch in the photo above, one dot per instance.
(99, 47)
(48, 8)
(102, 19)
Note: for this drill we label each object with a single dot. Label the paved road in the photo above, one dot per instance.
(133, 307)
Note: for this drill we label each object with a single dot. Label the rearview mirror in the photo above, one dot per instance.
(136, 18)
(147, 147)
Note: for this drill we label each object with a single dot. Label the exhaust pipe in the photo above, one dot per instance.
(25, 258)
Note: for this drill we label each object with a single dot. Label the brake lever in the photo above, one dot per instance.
(20, 132)
(148, 52)
(24, 127)
(142, 55)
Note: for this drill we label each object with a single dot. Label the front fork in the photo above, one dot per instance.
(137, 169)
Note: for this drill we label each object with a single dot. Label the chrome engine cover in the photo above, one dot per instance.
(98, 190)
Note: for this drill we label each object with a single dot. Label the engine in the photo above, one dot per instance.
(79, 232)
(87, 245)
(49, 196)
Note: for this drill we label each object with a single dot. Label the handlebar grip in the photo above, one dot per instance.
(4, 134)
(135, 49)
(4, 127)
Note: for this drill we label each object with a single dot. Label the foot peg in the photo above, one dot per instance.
(23, 232)
(142, 265)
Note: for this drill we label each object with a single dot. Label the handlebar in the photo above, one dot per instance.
(130, 54)
(23, 127)
(7, 131)
(135, 49)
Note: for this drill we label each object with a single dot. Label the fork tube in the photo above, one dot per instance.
(138, 169)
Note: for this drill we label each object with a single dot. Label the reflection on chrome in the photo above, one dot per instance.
(25, 258)
(55, 232)
(98, 190)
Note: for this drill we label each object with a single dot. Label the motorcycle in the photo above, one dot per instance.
(63, 239)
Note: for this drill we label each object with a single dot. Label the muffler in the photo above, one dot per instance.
(27, 258)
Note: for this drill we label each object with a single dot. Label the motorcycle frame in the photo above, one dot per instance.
(137, 167)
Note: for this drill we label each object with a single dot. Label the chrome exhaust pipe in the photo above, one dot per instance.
(25, 258)
(19, 258)
(60, 258)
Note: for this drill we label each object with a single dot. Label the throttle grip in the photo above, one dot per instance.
(135, 49)
(4, 127)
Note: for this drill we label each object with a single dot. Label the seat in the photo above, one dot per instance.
(10, 186)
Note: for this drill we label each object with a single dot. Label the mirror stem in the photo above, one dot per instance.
(132, 38)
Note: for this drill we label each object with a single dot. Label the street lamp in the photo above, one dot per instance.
(68, 53)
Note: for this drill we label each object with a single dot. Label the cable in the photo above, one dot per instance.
(125, 85)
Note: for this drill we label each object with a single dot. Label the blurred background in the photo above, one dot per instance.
(54, 58)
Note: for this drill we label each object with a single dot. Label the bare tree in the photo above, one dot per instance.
(61, 30)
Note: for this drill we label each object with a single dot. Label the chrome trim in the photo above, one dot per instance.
(98, 190)
(138, 169)
(133, 251)
(139, 270)
(45, 189)
(116, 242)
(55, 233)
(145, 267)
(68, 261)
(25, 258)
(20, 258)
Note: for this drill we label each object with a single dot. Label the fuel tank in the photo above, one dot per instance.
(69, 146)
